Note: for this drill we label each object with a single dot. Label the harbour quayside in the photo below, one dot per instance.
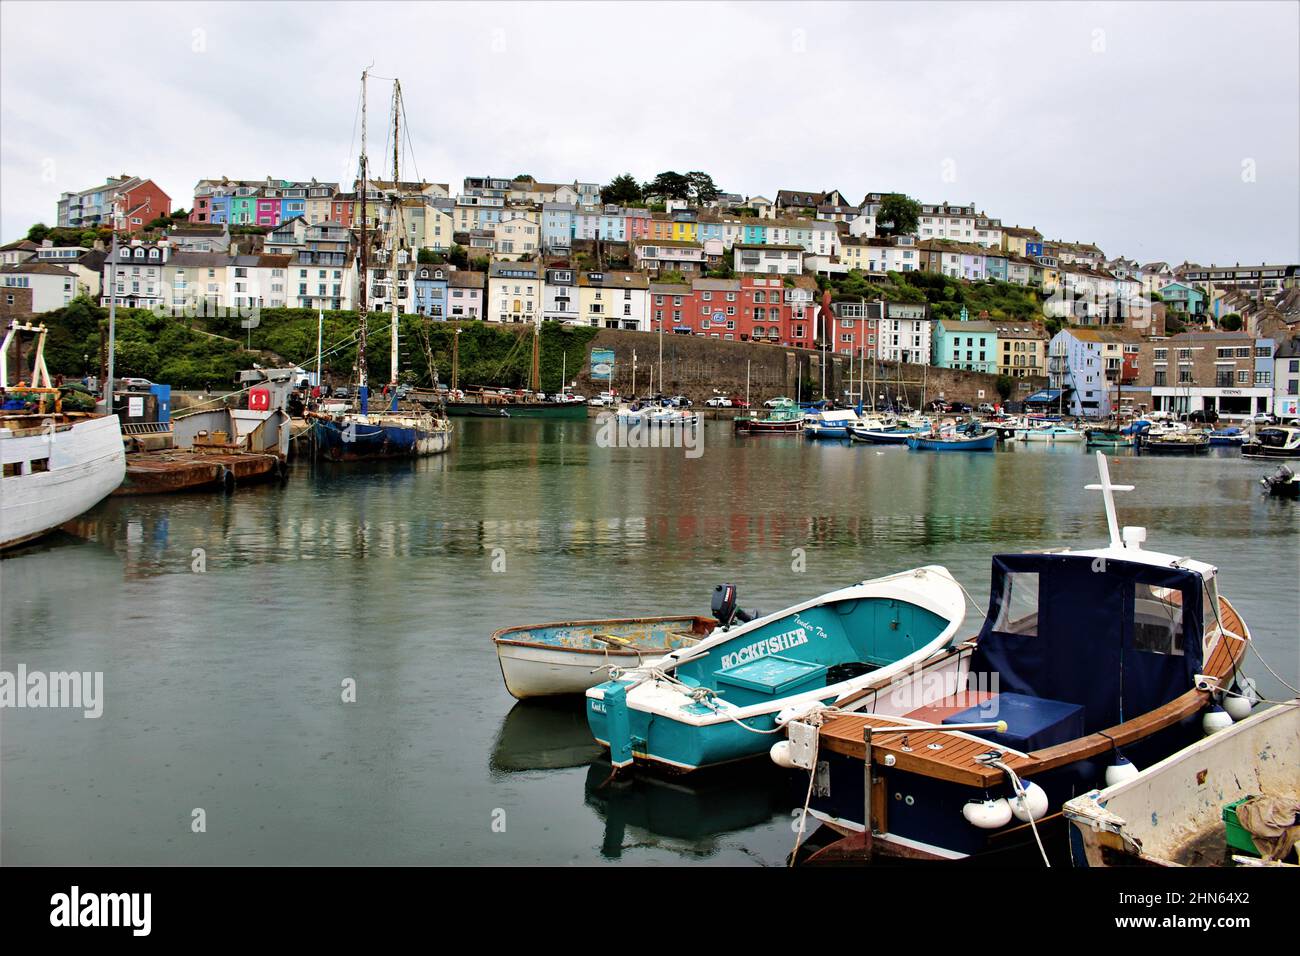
(1090, 664)
(717, 700)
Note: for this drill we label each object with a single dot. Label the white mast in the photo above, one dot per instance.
(396, 236)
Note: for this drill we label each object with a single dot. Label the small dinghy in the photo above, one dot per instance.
(1190, 809)
(543, 660)
(986, 442)
(717, 701)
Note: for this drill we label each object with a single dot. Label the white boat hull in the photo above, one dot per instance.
(86, 462)
(546, 672)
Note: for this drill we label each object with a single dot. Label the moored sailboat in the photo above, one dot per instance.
(392, 433)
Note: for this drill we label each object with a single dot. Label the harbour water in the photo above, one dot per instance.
(227, 627)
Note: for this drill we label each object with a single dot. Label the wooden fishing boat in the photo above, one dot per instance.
(986, 442)
(1176, 443)
(56, 464)
(1232, 437)
(1276, 441)
(785, 417)
(567, 657)
(1109, 438)
(1087, 661)
(1181, 811)
(717, 701)
(831, 423)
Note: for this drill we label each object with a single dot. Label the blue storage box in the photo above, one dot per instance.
(1032, 722)
(769, 677)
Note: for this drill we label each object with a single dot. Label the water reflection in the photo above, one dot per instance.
(688, 815)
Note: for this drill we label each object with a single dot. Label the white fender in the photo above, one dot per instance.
(987, 814)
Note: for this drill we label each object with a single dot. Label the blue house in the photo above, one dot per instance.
(557, 225)
(431, 291)
(970, 345)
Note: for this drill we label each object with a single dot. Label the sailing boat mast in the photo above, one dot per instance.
(535, 382)
(396, 235)
(363, 391)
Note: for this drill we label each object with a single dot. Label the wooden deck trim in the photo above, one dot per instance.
(956, 764)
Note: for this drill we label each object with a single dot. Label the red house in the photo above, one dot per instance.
(142, 203)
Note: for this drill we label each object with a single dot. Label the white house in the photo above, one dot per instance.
(903, 335)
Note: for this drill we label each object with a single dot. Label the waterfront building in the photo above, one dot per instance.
(1286, 378)
(969, 345)
(904, 333)
(853, 328)
(1086, 367)
(1021, 348)
(1230, 373)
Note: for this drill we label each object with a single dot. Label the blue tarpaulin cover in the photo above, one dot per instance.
(1046, 395)
(1103, 638)
(1032, 722)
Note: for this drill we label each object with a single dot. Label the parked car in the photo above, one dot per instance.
(739, 402)
(1263, 418)
(1203, 416)
(779, 400)
(604, 398)
(719, 401)
(986, 409)
(342, 392)
(681, 401)
(134, 384)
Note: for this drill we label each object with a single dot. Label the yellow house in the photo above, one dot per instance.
(856, 254)
(685, 231)
(1018, 240)
(1021, 349)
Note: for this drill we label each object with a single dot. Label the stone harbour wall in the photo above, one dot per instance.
(695, 367)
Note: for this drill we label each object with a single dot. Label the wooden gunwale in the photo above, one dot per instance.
(697, 622)
(956, 761)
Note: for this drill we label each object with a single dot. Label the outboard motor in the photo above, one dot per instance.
(725, 610)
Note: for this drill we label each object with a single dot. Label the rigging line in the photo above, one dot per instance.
(352, 140)
(406, 128)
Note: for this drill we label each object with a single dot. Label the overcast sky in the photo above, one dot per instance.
(1164, 131)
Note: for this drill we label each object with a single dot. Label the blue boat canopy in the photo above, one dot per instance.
(1117, 638)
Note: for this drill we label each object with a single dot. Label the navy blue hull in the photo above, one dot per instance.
(349, 441)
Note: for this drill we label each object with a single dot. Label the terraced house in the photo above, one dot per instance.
(1229, 373)
(514, 293)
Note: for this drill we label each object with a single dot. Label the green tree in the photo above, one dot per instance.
(622, 189)
(38, 232)
(1230, 322)
(898, 215)
(458, 256)
(702, 187)
(669, 185)
(1004, 386)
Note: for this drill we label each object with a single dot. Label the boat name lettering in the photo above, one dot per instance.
(771, 645)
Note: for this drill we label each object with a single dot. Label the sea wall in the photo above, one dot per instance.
(696, 367)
